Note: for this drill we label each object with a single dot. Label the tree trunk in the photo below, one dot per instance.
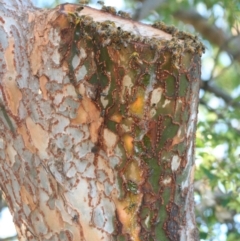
(97, 125)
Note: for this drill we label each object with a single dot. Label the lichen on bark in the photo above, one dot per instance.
(104, 126)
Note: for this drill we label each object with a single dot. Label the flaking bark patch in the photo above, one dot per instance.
(105, 133)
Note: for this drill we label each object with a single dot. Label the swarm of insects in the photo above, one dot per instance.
(109, 9)
(191, 42)
(168, 29)
(124, 14)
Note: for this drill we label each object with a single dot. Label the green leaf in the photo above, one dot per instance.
(209, 174)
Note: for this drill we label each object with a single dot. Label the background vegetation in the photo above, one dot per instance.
(217, 24)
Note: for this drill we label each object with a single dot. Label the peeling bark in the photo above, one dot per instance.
(97, 126)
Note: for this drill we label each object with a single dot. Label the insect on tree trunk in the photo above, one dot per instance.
(97, 125)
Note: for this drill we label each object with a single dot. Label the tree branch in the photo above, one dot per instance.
(220, 116)
(212, 88)
(209, 31)
(212, 33)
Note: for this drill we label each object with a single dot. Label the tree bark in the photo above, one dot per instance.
(97, 125)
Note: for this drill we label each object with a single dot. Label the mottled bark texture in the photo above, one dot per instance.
(97, 125)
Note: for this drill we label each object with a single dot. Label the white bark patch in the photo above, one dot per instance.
(189, 153)
(22, 111)
(98, 217)
(104, 101)
(146, 221)
(16, 190)
(93, 192)
(126, 85)
(60, 124)
(175, 163)
(71, 172)
(102, 164)
(64, 212)
(156, 96)
(191, 126)
(81, 73)
(11, 154)
(75, 61)
(91, 91)
(63, 141)
(39, 137)
(152, 113)
(38, 222)
(103, 98)
(1, 93)
(1, 143)
(8, 187)
(80, 200)
(166, 103)
(68, 107)
(58, 98)
(183, 235)
(4, 38)
(76, 134)
(110, 140)
(54, 218)
(167, 180)
(127, 81)
(82, 89)
(118, 152)
(56, 56)
(26, 209)
(83, 148)
(51, 72)
(101, 175)
(113, 161)
(180, 136)
(109, 188)
(42, 177)
(69, 90)
(185, 183)
(89, 172)
(103, 215)
(57, 175)
(54, 36)
(126, 128)
(82, 164)
(83, 53)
